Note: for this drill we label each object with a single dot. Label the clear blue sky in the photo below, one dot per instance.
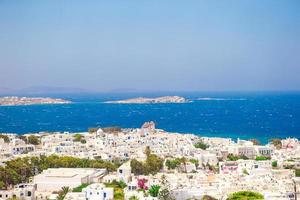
(151, 44)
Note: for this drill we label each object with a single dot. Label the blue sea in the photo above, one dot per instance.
(236, 115)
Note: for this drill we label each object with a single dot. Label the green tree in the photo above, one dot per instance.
(2, 185)
(77, 137)
(21, 169)
(118, 191)
(297, 172)
(201, 145)
(152, 165)
(245, 195)
(5, 138)
(80, 187)
(259, 158)
(232, 157)
(172, 164)
(274, 164)
(122, 184)
(154, 190)
(32, 139)
(147, 151)
(137, 167)
(245, 172)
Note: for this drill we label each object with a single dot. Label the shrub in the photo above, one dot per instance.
(245, 172)
(274, 164)
(154, 190)
(5, 138)
(245, 195)
(77, 137)
(232, 157)
(32, 139)
(80, 187)
(152, 165)
(201, 145)
(118, 191)
(259, 158)
(297, 172)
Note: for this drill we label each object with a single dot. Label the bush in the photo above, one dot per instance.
(260, 158)
(118, 191)
(32, 139)
(173, 164)
(245, 171)
(5, 138)
(245, 195)
(77, 137)
(21, 169)
(274, 164)
(232, 157)
(297, 172)
(152, 165)
(201, 145)
(80, 187)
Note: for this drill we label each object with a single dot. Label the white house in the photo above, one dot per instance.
(54, 179)
(21, 191)
(98, 191)
(124, 172)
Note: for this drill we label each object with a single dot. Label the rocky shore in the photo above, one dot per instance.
(14, 101)
(142, 100)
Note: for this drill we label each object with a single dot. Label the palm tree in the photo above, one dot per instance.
(184, 161)
(62, 193)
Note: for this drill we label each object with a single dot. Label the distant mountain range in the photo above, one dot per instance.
(35, 90)
(42, 90)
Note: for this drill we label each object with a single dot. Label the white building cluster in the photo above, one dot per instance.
(207, 171)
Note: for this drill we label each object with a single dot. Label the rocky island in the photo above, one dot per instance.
(14, 101)
(142, 100)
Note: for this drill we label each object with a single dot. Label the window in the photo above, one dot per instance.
(104, 194)
(29, 194)
(121, 171)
